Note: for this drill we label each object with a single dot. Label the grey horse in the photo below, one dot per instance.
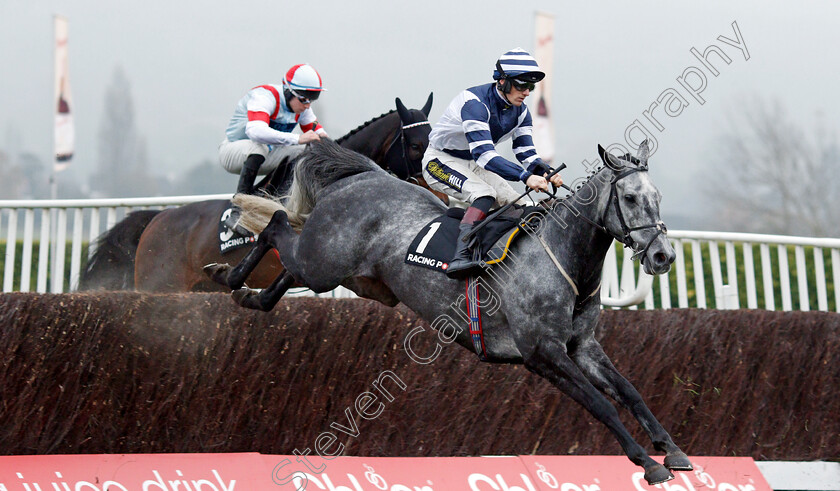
(541, 305)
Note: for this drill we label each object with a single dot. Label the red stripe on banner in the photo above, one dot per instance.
(258, 116)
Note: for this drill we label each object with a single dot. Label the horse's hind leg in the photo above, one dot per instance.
(602, 373)
(551, 361)
(266, 299)
(234, 277)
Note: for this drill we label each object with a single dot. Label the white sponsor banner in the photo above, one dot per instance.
(540, 104)
(64, 134)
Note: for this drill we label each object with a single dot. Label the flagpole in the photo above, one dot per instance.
(52, 179)
(63, 139)
(541, 114)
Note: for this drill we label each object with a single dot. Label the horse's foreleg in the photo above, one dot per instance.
(599, 370)
(266, 299)
(602, 373)
(234, 277)
(550, 360)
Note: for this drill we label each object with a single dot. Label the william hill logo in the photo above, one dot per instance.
(445, 175)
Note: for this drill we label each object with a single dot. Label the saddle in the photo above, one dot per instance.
(434, 245)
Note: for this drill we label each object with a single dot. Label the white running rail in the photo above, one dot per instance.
(712, 269)
(726, 270)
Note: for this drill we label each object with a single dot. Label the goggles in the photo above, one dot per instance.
(523, 86)
(306, 96)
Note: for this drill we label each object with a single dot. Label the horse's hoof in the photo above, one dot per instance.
(678, 461)
(248, 298)
(657, 474)
(241, 295)
(217, 272)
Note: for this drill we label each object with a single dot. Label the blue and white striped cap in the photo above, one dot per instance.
(518, 63)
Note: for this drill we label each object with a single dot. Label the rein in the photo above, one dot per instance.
(400, 135)
(625, 238)
(626, 230)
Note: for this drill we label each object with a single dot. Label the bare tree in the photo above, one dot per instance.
(122, 168)
(773, 176)
(11, 178)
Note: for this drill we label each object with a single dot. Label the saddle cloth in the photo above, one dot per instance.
(230, 240)
(434, 245)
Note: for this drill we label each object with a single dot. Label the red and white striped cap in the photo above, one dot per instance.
(303, 77)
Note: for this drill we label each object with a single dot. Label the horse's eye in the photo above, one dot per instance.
(415, 146)
(630, 198)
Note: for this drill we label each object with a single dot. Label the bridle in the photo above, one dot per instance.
(626, 230)
(400, 135)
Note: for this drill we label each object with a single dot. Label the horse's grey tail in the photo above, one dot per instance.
(322, 164)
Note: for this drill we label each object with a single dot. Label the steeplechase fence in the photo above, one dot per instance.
(47, 241)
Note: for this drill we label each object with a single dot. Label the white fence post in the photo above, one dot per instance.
(784, 278)
(767, 278)
(732, 272)
(44, 250)
(60, 246)
(26, 262)
(682, 287)
(749, 276)
(76, 249)
(11, 246)
(819, 268)
(699, 276)
(93, 233)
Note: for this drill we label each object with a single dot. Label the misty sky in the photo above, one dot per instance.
(189, 62)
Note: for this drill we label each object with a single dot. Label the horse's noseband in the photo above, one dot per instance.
(626, 230)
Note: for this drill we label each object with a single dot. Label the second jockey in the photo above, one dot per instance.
(462, 161)
(259, 135)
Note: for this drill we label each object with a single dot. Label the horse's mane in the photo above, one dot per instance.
(364, 125)
(626, 157)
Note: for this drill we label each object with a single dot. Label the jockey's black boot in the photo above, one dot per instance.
(463, 264)
(247, 176)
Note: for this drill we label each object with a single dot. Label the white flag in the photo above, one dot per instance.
(541, 108)
(64, 134)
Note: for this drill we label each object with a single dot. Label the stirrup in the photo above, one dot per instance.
(464, 268)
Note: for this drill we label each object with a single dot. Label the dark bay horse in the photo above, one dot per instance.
(164, 251)
(541, 309)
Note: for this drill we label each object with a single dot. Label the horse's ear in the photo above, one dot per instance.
(608, 159)
(644, 152)
(428, 106)
(405, 116)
